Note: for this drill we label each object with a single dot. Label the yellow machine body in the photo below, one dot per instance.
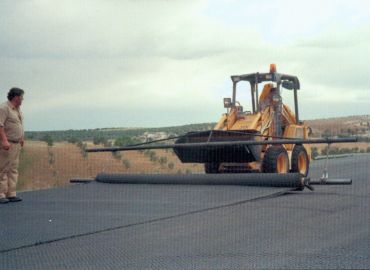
(261, 122)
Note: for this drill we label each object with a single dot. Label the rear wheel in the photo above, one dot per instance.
(300, 160)
(211, 167)
(276, 160)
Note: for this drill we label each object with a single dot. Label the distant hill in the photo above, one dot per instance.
(113, 133)
(341, 126)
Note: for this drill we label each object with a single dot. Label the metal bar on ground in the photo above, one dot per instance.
(331, 182)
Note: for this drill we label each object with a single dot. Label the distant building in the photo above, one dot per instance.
(153, 136)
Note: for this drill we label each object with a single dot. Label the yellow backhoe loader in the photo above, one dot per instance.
(269, 119)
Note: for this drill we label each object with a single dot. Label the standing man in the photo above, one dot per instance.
(11, 140)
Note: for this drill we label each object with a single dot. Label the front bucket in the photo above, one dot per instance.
(218, 154)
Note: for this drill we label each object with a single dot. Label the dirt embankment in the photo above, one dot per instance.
(344, 126)
(43, 166)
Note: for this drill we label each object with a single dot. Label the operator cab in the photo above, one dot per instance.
(270, 95)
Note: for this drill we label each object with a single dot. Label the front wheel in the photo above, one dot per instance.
(275, 160)
(300, 160)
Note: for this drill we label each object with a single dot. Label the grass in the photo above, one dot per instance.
(25, 162)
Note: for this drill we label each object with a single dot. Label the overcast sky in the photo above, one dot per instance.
(93, 64)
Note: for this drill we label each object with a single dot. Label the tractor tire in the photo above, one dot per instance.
(211, 167)
(300, 160)
(275, 160)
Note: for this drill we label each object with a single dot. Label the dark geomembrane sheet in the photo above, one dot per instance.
(120, 226)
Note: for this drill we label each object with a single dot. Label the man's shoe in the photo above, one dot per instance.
(4, 200)
(14, 199)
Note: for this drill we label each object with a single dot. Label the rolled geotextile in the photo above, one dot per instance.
(242, 179)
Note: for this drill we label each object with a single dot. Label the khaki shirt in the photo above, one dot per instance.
(11, 119)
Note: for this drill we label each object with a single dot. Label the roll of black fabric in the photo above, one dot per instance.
(242, 179)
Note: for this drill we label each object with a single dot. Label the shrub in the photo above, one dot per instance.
(72, 140)
(162, 160)
(48, 139)
(152, 156)
(126, 163)
(79, 144)
(344, 151)
(125, 140)
(83, 147)
(107, 144)
(314, 152)
(99, 140)
(171, 165)
(324, 151)
(117, 155)
(51, 156)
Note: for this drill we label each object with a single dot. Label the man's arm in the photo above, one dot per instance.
(3, 116)
(4, 140)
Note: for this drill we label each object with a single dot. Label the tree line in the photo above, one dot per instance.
(111, 133)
